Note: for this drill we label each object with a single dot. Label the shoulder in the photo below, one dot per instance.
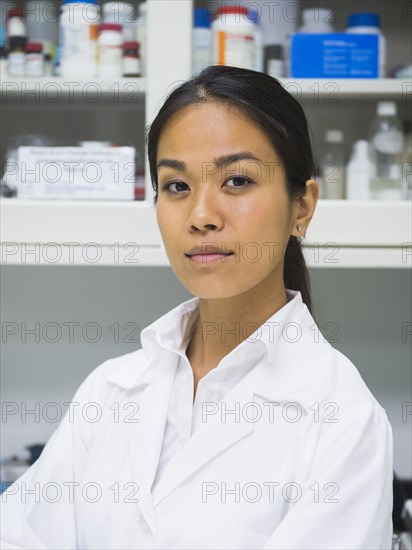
(123, 371)
(343, 379)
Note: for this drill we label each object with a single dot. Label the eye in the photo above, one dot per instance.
(166, 186)
(241, 178)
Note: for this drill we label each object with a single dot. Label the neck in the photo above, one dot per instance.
(225, 322)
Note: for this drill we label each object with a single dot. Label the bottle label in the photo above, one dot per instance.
(275, 68)
(234, 48)
(131, 65)
(16, 64)
(110, 56)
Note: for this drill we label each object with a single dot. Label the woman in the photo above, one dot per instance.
(237, 425)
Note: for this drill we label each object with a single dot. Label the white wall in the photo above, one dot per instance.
(368, 306)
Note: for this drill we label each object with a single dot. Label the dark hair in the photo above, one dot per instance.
(265, 101)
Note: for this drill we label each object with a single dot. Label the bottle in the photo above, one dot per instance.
(201, 40)
(16, 59)
(16, 25)
(121, 13)
(110, 51)
(333, 166)
(131, 59)
(79, 22)
(407, 162)
(314, 21)
(386, 145)
(258, 39)
(141, 36)
(358, 172)
(3, 56)
(56, 62)
(233, 41)
(274, 60)
(369, 23)
(34, 59)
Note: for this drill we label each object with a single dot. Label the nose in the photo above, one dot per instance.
(204, 212)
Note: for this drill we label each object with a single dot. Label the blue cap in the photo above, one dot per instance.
(79, 2)
(364, 20)
(2, 35)
(253, 15)
(202, 18)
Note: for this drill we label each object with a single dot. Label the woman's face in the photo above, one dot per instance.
(241, 206)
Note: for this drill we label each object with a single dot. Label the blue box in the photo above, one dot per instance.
(334, 55)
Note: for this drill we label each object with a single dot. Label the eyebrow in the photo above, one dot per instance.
(219, 162)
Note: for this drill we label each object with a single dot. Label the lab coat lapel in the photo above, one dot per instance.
(146, 436)
(207, 442)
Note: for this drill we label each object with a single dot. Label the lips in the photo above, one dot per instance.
(207, 258)
(208, 249)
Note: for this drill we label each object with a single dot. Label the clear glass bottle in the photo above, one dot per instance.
(333, 166)
(385, 147)
(407, 161)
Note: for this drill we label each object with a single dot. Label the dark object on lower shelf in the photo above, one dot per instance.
(402, 490)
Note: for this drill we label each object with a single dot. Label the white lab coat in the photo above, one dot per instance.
(313, 472)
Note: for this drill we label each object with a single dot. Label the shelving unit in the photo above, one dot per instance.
(357, 234)
(351, 229)
(49, 87)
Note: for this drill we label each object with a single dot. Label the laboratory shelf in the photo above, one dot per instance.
(326, 89)
(52, 89)
(341, 233)
(329, 90)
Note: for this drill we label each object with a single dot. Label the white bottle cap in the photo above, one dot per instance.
(386, 108)
(316, 15)
(334, 136)
(361, 148)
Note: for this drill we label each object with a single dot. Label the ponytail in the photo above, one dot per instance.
(295, 271)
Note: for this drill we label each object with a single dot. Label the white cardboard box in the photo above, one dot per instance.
(75, 173)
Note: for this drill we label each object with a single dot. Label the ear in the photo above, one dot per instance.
(305, 208)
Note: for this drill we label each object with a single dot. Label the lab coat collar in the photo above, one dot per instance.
(293, 371)
(173, 330)
(288, 337)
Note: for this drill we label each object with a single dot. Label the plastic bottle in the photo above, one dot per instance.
(141, 36)
(34, 59)
(79, 22)
(407, 161)
(122, 14)
(131, 59)
(233, 37)
(16, 24)
(16, 59)
(314, 21)
(333, 166)
(274, 65)
(369, 23)
(258, 38)
(358, 172)
(110, 51)
(3, 57)
(386, 146)
(201, 39)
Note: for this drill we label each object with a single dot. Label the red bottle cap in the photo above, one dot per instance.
(36, 47)
(231, 9)
(110, 27)
(131, 45)
(15, 12)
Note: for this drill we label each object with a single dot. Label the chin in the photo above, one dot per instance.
(207, 293)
